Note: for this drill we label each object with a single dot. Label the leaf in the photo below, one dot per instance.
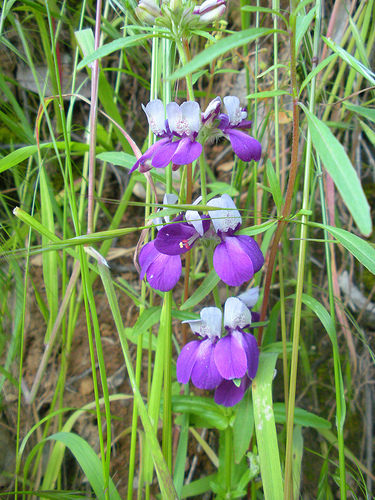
(316, 70)
(203, 411)
(146, 320)
(210, 281)
(274, 186)
(361, 249)
(89, 461)
(352, 61)
(301, 417)
(368, 113)
(341, 170)
(253, 8)
(265, 428)
(221, 47)
(268, 93)
(303, 22)
(118, 158)
(118, 44)
(243, 427)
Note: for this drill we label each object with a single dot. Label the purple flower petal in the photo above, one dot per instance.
(251, 247)
(163, 271)
(252, 354)
(187, 151)
(186, 361)
(231, 263)
(228, 394)
(175, 239)
(246, 147)
(164, 155)
(230, 356)
(150, 153)
(205, 374)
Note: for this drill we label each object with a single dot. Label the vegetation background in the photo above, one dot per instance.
(71, 331)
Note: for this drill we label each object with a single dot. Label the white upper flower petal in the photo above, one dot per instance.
(193, 217)
(228, 218)
(210, 323)
(236, 314)
(155, 116)
(250, 297)
(232, 104)
(184, 119)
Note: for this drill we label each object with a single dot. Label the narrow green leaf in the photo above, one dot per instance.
(266, 10)
(274, 186)
(118, 158)
(316, 70)
(303, 23)
(368, 113)
(361, 249)
(118, 44)
(301, 417)
(265, 428)
(89, 461)
(260, 228)
(268, 93)
(202, 411)
(297, 453)
(341, 170)
(352, 61)
(368, 131)
(221, 47)
(243, 427)
(146, 320)
(210, 281)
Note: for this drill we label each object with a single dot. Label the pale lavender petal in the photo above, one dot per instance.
(232, 104)
(227, 219)
(236, 314)
(191, 114)
(210, 323)
(212, 110)
(186, 361)
(187, 151)
(174, 117)
(245, 147)
(228, 394)
(193, 217)
(164, 155)
(230, 356)
(205, 374)
(231, 263)
(252, 354)
(155, 116)
(250, 297)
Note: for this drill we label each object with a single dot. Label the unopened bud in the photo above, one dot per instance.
(210, 11)
(147, 11)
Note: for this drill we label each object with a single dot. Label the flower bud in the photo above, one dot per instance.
(147, 11)
(210, 10)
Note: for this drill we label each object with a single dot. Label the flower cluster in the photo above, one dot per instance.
(181, 134)
(224, 363)
(183, 14)
(236, 258)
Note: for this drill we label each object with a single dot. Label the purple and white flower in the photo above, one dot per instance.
(245, 147)
(160, 258)
(177, 135)
(225, 363)
(237, 257)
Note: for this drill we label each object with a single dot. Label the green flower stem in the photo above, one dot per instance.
(215, 291)
(288, 484)
(228, 457)
(167, 390)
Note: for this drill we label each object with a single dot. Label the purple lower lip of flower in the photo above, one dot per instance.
(163, 271)
(237, 258)
(196, 361)
(230, 356)
(228, 394)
